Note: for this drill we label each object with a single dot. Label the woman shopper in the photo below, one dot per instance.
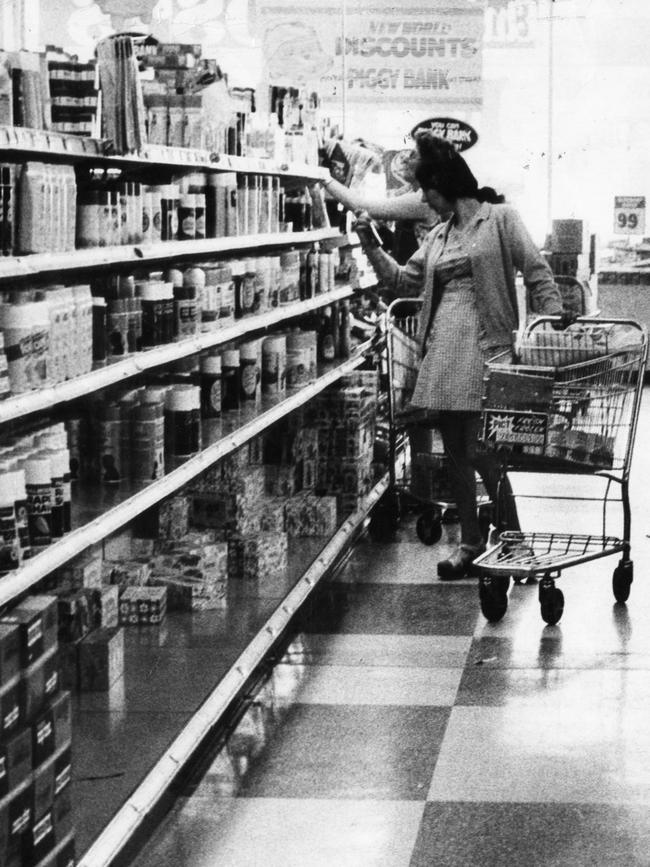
(465, 270)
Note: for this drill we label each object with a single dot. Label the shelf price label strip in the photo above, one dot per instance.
(45, 143)
(61, 552)
(126, 821)
(46, 398)
(100, 257)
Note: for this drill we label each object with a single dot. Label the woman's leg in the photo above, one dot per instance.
(487, 466)
(458, 432)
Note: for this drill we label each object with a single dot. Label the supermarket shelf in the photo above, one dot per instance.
(122, 827)
(34, 264)
(43, 144)
(47, 398)
(64, 550)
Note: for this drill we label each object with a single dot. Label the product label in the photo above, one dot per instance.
(248, 293)
(249, 380)
(188, 226)
(39, 506)
(146, 222)
(185, 317)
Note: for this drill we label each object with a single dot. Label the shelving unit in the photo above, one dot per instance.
(151, 789)
(235, 430)
(46, 398)
(74, 543)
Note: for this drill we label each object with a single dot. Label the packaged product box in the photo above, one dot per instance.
(10, 651)
(43, 788)
(104, 606)
(40, 840)
(127, 573)
(234, 465)
(11, 707)
(356, 476)
(168, 520)
(142, 605)
(306, 444)
(256, 451)
(309, 515)
(308, 470)
(62, 769)
(69, 665)
(36, 617)
(62, 814)
(61, 709)
(101, 659)
(118, 546)
(188, 594)
(43, 741)
(270, 516)
(81, 573)
(280, 480)
(73, 614)
(19, 820)
(39, 682)
(258, 556)
(142, 549)
(15, 760)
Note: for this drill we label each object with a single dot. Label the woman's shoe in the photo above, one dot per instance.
(459, 565)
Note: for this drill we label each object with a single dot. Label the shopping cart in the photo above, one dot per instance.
(417, 465)
(569, 403)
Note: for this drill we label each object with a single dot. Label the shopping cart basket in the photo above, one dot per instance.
(568, 403)
(416, 460)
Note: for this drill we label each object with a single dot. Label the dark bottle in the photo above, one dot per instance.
(326, 346)
(230, 380)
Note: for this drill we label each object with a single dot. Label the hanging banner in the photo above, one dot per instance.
(383, 52)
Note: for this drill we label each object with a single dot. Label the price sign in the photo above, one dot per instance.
(629, 215)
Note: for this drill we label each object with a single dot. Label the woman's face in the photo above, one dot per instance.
(436, 201)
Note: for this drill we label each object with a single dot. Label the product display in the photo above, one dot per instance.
(87, 451)
(35, 735)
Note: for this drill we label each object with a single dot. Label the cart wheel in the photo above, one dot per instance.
(622, 581)
(552, 605)
(429, 528)
(485, 521)
(493, 596)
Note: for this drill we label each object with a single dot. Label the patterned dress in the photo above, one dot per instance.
(451, 373)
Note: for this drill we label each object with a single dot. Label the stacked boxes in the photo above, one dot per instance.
(345, 418)
(194, 571)
(35, 738)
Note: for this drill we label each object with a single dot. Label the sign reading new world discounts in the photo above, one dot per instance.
(387, 52)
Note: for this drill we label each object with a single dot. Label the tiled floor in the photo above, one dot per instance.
(402, 730)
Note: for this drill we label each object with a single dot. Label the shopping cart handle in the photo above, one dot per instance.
(540, 321)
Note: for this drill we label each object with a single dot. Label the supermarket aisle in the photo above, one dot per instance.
(402, 730)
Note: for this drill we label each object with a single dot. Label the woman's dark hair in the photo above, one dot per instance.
(440, 167)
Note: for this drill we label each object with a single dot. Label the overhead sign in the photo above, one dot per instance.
(629, 215)
(386, 52)
(457, 132)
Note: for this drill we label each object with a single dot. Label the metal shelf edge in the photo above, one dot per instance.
(15, 583)
(36, 401)
(98, 257)
(49, 143)
(127, 820)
